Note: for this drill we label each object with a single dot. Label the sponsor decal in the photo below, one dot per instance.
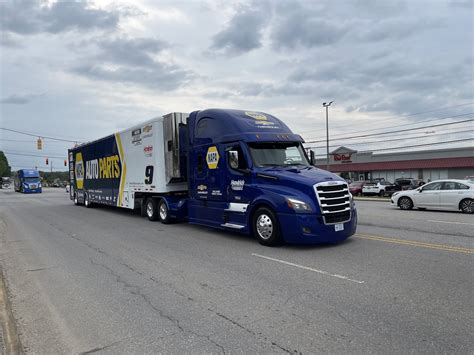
(137, 136)
(212, 157)
(147, 131)
(257, 116)
(148, 150)
(79, 171)
(103, 168)
(216, 193)
(237, 185)
(202, 189)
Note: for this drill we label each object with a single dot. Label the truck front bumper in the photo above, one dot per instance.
(299, 228)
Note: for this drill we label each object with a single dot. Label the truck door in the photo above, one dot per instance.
(207, 185)
(238, 189)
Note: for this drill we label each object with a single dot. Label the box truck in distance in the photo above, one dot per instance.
(230, 169)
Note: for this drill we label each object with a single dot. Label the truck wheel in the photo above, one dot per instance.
(265, 227)
(151, 209)
(76, 200)
(467, 205)
(87, 201)
(164, 212)
(405, 203)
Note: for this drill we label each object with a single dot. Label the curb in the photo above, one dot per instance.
(10, 336)
(371, 199)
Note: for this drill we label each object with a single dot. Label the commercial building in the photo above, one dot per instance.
(427, 165)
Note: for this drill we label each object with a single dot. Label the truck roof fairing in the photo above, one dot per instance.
(223, 125)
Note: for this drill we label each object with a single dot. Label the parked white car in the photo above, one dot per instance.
(375, 187)
(452, 195)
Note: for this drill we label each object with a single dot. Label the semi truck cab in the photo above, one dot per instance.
(248, 172)
(27, 181)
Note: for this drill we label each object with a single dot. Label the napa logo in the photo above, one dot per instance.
(79, 171)
(257, 116)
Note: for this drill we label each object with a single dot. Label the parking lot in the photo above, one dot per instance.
(102, 279)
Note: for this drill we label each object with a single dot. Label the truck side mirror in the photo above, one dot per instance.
(312, 158)
(233, 158)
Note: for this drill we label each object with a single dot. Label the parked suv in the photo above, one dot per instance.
(402, 184)
(376, 187)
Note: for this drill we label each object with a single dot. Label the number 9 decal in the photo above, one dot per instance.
(149, 174)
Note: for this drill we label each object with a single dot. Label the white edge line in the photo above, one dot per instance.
(309, 268)
(449, 222)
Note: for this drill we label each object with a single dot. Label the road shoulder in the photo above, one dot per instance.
(9, 336)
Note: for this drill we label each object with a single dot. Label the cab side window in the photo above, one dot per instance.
(236, 162)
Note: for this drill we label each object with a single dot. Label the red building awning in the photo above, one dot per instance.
(440, 163)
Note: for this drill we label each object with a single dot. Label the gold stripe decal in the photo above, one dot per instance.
(124, 168)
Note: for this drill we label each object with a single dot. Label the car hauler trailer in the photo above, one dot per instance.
(27, 181)
(230, 169)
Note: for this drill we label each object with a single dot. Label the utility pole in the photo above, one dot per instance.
(327, 132)
(51, 165)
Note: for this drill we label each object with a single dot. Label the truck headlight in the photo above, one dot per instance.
(298, 206)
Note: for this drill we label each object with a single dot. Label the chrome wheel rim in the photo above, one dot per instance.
(86, 200)
(264, 226)
(468, 206)
(163, 211)
(149, 209)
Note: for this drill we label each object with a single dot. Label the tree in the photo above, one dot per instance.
(5, 169)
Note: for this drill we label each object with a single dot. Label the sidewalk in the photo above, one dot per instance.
(377, 199)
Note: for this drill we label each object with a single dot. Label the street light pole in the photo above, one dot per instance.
(327, 132)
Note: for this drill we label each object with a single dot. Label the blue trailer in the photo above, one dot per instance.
(27, 181)
(234, 170)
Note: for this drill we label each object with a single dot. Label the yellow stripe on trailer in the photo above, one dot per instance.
(124, 168)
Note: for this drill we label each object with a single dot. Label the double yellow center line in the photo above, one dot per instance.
(416, 244)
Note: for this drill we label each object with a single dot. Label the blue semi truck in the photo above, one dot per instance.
(235, 170)
(27, 181)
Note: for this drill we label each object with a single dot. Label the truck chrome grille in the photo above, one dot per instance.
(335, 201)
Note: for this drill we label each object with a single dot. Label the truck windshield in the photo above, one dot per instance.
(278, 154)
(31, 179)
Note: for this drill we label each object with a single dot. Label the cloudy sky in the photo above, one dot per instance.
(82, 70)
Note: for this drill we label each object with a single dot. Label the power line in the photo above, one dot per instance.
(36, 155)
(39, 135)
(398, 130)
(415, 145)
(410, 115)
(396, 139)
(408, 124)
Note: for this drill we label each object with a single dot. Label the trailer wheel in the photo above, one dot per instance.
(265, 227)
(164, 212)
(151, 209)
(87, 201)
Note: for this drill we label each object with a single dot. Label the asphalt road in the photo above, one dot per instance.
(102, 279)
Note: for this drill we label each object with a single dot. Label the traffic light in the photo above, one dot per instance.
(39, 144)
(65, 162)
(47, 161)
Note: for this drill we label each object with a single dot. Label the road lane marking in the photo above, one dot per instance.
(449, 222)
(308, 268)
(416, 244)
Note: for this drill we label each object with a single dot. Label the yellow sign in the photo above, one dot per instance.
(212, 157)
(79, 170)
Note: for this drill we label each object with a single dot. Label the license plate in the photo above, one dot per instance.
(339, 227)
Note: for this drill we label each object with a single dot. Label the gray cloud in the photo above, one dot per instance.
(133, 61)
(28, 17)
(300, 25)
(243, 33)
(19, 99)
